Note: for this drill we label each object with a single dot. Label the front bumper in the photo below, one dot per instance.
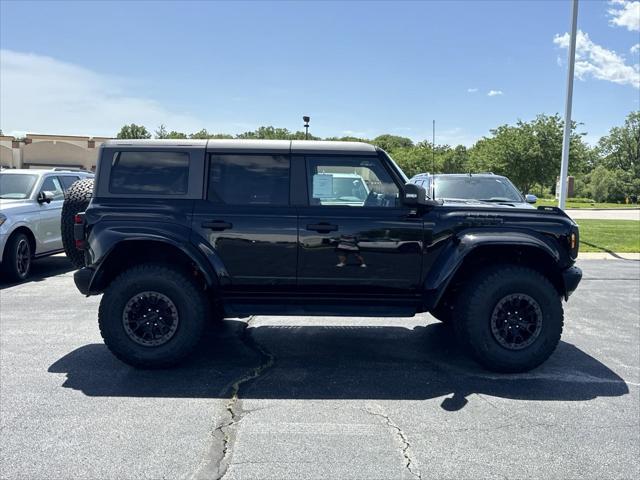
(82, 279)
(571, 277)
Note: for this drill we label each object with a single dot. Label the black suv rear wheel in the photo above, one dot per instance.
(152, 316)
(510, 318)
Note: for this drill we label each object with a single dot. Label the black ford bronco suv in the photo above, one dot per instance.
(178, 233)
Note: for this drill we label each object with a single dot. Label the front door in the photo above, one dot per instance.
(355, 237)
(248, 222)
(49, 237)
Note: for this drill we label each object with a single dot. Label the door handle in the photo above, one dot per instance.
(217, 225)
(322, 227)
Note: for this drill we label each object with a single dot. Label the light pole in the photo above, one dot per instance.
(433, 148)
(564, 165)
(306, 119)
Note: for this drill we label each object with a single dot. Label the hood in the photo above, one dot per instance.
(17, 206)
(478, 203)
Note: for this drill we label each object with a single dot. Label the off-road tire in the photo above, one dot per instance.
(191, 304)
(9, 262)
(76, 200)
(475, 305)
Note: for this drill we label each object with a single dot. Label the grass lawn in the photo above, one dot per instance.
(620, 236)
(553, 203)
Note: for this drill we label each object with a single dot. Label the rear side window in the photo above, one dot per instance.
(249, 179)
(150, 173)
(68, 181)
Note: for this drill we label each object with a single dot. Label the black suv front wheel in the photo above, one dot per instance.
(152, 316)
(509, 318)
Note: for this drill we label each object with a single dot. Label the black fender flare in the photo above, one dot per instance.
(453, 255)
(206, 260)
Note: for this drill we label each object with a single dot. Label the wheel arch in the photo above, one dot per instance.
(467, 255)
(127, 253)
(30, 236)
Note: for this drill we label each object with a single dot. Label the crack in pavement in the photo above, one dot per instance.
(405, 449)
(216, 461)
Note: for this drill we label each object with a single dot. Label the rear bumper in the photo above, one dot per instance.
(571, 277)
(82, 279)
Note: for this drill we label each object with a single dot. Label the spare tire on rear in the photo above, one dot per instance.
(76, 200)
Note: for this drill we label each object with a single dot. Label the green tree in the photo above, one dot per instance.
(161, 132)
(529, 153)
(273, 133)
(621, 148)
(391, 143)
(453, 160)
(204, 135)
(418, 159)
(176, 135)
(266, 133)
(133, 131)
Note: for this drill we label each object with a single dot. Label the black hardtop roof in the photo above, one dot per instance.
(249, 146)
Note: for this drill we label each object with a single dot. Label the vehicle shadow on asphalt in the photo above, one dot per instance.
(338, 362)
(41, 269)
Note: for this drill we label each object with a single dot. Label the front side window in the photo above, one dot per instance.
(16, 185)
(52, 184)
(150, 173)
(249, 179)
(350, 181)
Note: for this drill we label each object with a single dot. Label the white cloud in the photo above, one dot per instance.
(625, 13)
(635, 48)
(598, 62)
(493, 93)
(472, 90)
(40, 94)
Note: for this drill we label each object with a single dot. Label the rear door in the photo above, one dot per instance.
(68, 180)
(357, 241)
(247, 219)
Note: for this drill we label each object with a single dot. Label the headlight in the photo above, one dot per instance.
(3, 218)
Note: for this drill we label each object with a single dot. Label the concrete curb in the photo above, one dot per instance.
(608, 256)
(626, 209)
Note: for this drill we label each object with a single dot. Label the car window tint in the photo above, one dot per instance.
(249, 179)
(350, 181)
(150, 173)
(52, 184)
(67, 181)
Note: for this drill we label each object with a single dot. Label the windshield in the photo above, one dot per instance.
(488, 189)
(16, 185)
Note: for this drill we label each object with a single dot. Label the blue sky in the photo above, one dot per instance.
(359, 68)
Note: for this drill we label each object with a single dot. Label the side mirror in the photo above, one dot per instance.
(45, 196)
(529, 198)
(414, 195)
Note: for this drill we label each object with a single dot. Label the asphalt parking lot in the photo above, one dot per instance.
(293, 397)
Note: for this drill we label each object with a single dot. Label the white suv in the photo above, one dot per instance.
(30, 207)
